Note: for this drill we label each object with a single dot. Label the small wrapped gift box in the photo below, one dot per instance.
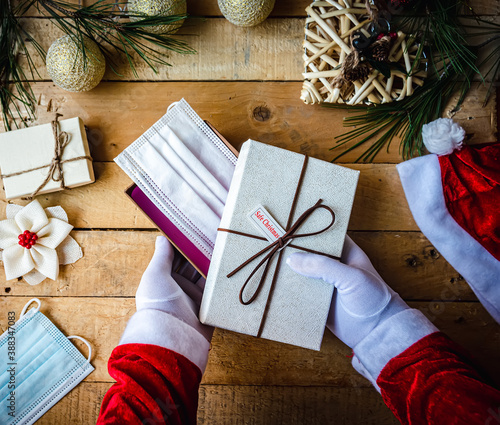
(249, 288)
(45, 158)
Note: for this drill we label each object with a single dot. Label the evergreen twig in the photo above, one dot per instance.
(451, 68)
(12, 45)
(106, 24)
(103, 22)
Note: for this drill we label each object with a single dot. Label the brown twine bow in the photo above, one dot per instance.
(55, 173)
(278, 246)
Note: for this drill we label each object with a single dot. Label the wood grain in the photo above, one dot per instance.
(379, 204)
(270, 112)
(236, 405)
(224, 52)
(406, 260)
(237, 359)
(287, 8)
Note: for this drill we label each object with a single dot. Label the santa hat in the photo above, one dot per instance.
(454, 196)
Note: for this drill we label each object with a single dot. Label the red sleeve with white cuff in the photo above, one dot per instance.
(434, 383)
(158, 373)
(423, 376)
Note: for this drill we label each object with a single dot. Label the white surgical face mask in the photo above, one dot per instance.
(39, 367)
(185, 170)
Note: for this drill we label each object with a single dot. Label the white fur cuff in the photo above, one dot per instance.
(159, 328)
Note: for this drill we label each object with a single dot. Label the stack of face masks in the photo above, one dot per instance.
(185, 170)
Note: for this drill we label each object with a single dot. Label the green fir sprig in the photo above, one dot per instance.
(451, 68)
(12, 45)
(104, 22)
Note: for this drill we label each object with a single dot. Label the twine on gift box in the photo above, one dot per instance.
(278, 246)
(55, 173)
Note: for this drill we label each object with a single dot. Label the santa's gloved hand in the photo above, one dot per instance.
(167, 310)
(163, 290)
(365, 313)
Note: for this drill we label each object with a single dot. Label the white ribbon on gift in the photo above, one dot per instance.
(54, 246)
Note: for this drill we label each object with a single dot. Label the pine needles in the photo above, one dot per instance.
(103, 22)
(451, 67)
(12, 44)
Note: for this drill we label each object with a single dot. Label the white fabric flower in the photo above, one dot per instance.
(443, 136)
(52, 245)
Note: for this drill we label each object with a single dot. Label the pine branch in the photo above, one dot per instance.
(490, 63)
(107, 26)
(19, 93)
(451, 69)
(102, 22)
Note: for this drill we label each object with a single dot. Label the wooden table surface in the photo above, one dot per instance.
(247, 83)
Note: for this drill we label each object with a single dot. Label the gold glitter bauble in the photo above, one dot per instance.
(158, 8)
(246, 13)
(69, 69)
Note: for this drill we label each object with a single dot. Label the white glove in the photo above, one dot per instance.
(362, 300)
(160, 289)
(365, 313)
(167, 309)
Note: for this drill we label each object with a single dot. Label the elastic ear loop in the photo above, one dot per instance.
(25, 308)
(86, 342)
(171, 106)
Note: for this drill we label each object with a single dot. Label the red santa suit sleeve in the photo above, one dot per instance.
(158, 367)
(434, 383)
(423, 376)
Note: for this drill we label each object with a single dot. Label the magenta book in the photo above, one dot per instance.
(176, 237)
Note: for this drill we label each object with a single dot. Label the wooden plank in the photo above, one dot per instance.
(227, 404)
(294, 8)
(80, 406)
(407, 261)
(271, 112)
(237, 359)
(224, 52)
(379, 204)
(230, 405)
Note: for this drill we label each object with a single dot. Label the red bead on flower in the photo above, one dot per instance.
(27, 239)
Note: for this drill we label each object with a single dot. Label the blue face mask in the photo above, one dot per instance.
(39, 367)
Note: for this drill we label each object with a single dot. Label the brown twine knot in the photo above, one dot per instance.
(277, 247)
(61, 140)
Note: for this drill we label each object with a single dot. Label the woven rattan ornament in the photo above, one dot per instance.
(246, 13)
(158, 8)
(338, 72)
(70, 70)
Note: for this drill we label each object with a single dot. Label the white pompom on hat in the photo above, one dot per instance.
(454, 196)
(443, 136)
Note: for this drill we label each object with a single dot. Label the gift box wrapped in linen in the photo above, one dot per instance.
(45, 158)
(263, 297)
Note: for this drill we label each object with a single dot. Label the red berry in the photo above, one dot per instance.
(380, 36)
(27, 239)
(393, 35)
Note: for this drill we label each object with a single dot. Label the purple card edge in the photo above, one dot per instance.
(187, 248)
